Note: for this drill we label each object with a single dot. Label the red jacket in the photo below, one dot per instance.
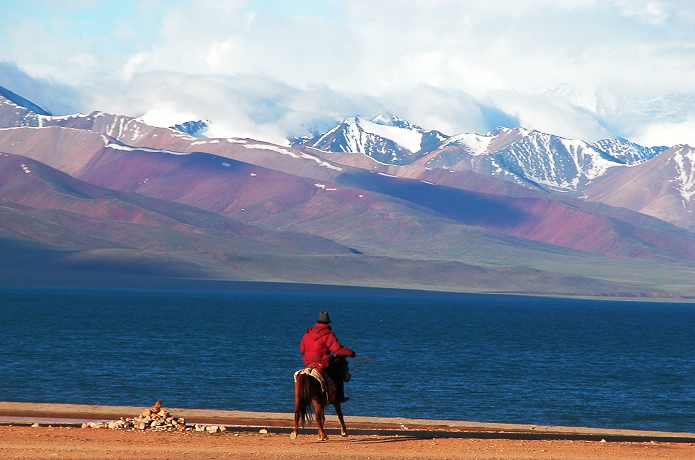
(318, 343)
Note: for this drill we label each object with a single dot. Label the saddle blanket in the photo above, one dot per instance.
(327, 383)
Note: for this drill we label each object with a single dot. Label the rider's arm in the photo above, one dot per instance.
(337, 349)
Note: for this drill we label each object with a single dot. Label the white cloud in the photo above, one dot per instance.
(237, 106)
(550, 114)
(477, 46)
(667, 133)
(164, 115)
(450, 112)
(657, 11)
(259, 66)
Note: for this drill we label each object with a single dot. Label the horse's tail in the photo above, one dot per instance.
(302, 399)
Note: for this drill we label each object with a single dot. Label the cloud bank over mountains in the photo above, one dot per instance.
(577, 68)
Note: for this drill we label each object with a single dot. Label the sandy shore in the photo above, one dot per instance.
(30, 431)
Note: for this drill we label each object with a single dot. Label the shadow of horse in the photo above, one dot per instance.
(308, 393)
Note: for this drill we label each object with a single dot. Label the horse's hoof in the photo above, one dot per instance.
(343, 434)
(293, 435)
(324, 438)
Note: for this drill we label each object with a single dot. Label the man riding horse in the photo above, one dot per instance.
(318, 347)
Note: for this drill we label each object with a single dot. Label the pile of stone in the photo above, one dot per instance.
(212, 429)
(154, 418)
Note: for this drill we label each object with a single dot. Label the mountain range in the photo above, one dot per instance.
(657, 181)
(105, 199)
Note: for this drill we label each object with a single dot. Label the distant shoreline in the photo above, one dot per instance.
(169, 284)
(262, 287)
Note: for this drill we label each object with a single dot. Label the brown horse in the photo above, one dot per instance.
(307, 390)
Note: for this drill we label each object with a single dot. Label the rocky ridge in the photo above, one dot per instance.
(530, 158)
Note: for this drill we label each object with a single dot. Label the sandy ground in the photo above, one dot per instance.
(57, 434)
(85, 443)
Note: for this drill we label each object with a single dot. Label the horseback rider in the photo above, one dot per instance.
(318, 347)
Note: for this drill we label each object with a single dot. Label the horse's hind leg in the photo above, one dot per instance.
(339, 411)
(320, 419)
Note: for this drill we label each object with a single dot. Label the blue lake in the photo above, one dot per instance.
(479, 358)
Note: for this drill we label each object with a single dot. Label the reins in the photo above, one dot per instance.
(363, 361)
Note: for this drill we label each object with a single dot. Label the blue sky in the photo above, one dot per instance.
(104, 27)
(269, 68)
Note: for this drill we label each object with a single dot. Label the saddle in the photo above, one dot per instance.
(327, 384)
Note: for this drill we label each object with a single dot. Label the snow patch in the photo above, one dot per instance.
(292, 154)
(597, 165)
(43, 118)
(407, 138)
(476, 144)
(26, 168)
(685, 168)
(142, 149)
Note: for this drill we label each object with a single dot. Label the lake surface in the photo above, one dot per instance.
(478, 358)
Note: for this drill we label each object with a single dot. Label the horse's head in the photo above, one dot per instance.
(341, 364)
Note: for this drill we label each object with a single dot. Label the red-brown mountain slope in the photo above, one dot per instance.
(78, 215)
(252, 193)
(664, 187)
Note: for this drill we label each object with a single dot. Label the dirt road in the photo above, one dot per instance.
(266, 436)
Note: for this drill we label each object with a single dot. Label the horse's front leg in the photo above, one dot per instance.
(293, 435)
(320, 419)
(339, 411)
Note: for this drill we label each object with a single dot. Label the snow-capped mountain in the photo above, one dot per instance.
(531, 158)
(538, 158)
(385, 138)
(526, 157)
(627, 152)
(552, 161)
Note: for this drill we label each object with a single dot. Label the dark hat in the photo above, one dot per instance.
(323, 317)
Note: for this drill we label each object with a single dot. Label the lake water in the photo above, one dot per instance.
(478, 358)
